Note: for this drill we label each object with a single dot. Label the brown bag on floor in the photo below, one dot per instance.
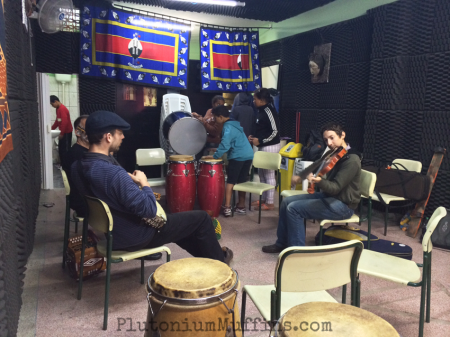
(93, 262)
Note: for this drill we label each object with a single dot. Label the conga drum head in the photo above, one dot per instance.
(210, 161)
(180, 158)
(343, 320)
(186, 134)
(193, 278)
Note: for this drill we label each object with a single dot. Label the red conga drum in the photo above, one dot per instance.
(180, 183)
(211, 185)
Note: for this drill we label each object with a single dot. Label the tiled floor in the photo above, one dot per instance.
(50, 307)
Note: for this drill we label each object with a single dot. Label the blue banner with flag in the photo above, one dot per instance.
(229, 60)
(130, 47)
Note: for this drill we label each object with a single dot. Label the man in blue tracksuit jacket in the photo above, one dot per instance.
(239, 154)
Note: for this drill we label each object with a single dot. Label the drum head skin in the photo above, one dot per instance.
(311, 319)
(193, 278)
(214, 161)
(185, 134)
(180, 157)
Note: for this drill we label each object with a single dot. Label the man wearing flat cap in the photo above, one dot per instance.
(131, 199)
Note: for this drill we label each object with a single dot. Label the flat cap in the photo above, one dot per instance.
(101, 120)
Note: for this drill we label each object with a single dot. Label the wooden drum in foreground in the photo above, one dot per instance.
(193, 297)
(331, 319)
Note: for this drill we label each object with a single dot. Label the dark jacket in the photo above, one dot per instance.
(102, 177)
(343, 181)
(267, 126)
(76, 152)
(243, 113)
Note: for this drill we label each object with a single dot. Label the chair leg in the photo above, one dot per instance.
(168, 257)
(142, 270)
(232, 203)
(428, 290)
(244, 300)
(249, 201)
(422, 295)
(76, 226)
(360, 211)
(344, 293)
(83, 247)
(108, 279)
(66, 234)
(358, 292)
(259, 217)
(386, 219)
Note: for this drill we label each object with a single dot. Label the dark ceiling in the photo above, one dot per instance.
(266, 10)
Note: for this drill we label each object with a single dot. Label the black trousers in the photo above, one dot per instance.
(64, 145)
(193, 231)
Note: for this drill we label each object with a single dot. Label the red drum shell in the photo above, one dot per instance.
(211, 187)
(180, 186)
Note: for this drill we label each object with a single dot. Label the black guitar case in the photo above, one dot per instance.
(338, 234)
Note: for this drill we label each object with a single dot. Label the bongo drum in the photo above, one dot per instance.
(193, 297)
(323, 318)
(210, 185)
(180, 183)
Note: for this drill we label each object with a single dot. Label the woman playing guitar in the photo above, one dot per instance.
(338, 180)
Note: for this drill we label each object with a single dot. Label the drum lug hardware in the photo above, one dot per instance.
(169, 171)
(186, 172)
(212, 172)
(151, 308)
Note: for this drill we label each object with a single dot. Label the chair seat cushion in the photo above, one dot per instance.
(253, 187)
(387, 198)
(354, 218)
(260, 295)
(126, 256)
(290, 193)
(388, 267)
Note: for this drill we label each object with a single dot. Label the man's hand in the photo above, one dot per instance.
(196, 115)
(250, 139)
(255, 141)
(60, 136)
(139, 178)
(295, 180)
(313, 180)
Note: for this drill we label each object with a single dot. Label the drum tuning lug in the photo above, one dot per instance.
(186, 172)
(169, 171)
(212, 172)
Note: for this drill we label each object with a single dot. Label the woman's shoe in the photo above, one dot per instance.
(256, 203)
(265, 207)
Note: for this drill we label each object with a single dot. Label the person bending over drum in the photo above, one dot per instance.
(131, 199)
(239, 153)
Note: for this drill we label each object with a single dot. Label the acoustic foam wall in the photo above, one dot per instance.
(408, 101)
(344, 98)
(20, 169)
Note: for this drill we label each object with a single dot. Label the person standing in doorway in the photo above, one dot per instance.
(64, 124)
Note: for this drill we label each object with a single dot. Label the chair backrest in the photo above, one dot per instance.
(314, 268)
(410, 165)
(367, 183)
(148, 157)
(99, 215)
(438, 214)
(66, 182)
(267, 160)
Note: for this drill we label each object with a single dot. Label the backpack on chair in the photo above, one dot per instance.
(314, 146)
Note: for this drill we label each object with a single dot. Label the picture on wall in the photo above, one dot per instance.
(129, 92)
(149, 96)
(319, 63)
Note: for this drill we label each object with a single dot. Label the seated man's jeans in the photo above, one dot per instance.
(291, 227)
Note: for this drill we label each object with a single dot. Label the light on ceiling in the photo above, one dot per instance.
(216, 2)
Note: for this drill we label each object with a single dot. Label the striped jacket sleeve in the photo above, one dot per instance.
(273, 125)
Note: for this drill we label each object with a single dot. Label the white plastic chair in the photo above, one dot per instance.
(151, 157)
